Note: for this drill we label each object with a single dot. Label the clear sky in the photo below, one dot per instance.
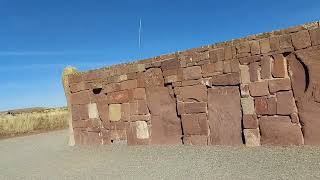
(38, 38)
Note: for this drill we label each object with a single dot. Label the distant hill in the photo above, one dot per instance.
(29, 110)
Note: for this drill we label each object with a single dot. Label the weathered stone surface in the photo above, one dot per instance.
(285, 41)
(265, 106)
(125, 112)
(93, 111)
(225, 79)
(115, 112)
(195, 140)
(243, 47)
(244, 73)
(79, 112)
(208, 69)
(259, 88)
(216, 55)
(244, 90)
(80, 98)
(153, 77)
(77, 87)
(139, 94)
(251, 137)
(276, 85)
(297, 75)
(254, 70)
(195, 124)
(250, 121)
(132, 133)
(301, 39)
(255, 47)
(228, 53)
(142, 130)
(138, 107)
(278, 130)
(265, 45)
(294, 118)
(315, 36)
(191, 107)
(224, 118)
(249, 59)
(227, 67)
(191, 82)
(279, 69)
(247, 105)
(112, 87)
(285, 103)
(118, 97)
(170, 64)
(166, 126)
(274, 43)
(235, 66)
(266, 67)
(129, 84)
(197, 93)
(193, 72)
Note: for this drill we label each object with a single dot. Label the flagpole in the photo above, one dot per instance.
(140, 28)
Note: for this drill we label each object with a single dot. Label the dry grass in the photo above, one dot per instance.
(30, 122)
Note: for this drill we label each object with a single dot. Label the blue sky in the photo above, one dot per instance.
(38, 38)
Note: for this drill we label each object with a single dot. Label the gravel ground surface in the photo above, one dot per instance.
(47, 156)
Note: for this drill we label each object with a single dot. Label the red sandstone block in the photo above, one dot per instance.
(266, 67)
(192, 93)
(259, 88)
(255, 47)
(193, 72)
(301, 39)
(170, 72)
(170, 64)
(265, 106)
(315, 36)
(79, 112)
(191, 82)
(195, 140)
(216, 55)
(139, 94)
(226, 66)
(80, 98)
(254, 70)
(235, 66)
(74, 78)
(153, 77)
(140, 80)
(111, 87)
(138, 107)
(125, 112)
(129, 84)
(285, 103)
(276, 85)
(225, 79)
(274, 43)
(118, 97)
(77, 87)
(89, 76)
(285, 41)
(191, 107)
(249, 59)
(228, 53)
(243, 47)
(250, 121)
(265, 45)
(279, 69)
(103, 110)
(279, 131)
(195, 124)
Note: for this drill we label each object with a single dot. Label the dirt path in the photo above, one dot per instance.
(47, 156)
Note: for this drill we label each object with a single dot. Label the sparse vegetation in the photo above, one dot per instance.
(31, 121)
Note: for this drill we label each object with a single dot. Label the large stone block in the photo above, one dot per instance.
(193, 93)
(129, 84)
(191, 107)
(82, 97)
(243, 47)
(224, 118)
(259, 88)
(285, 41)
(285, 103)
(142, 130)
(315, 36)
(166, 126)
(266, 67)
(265, 45)
(195, 140)
(250, 121)
(193, 72)
(255, 47)
(170, 64)
(244, 73)
(153, 77)
(115, 112)
(195, 124)
(254, 70)
(251, 137)
(138, 107)
(139, 94)
(301, 39)
(278, 130)
(274, 43)
(279, 69)
(216, 55)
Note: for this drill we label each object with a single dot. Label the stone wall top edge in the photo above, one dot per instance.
(292, 29)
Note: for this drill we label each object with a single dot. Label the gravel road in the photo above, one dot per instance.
(47, 156)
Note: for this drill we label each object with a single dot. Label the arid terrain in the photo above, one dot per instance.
(32, 120)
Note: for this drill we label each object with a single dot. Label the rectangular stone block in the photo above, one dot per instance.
(191, 107)
(79, 112)
(265, 106)
(285, 103)
(115, 112)
(93, 111)
(118, 97)
(129, 84)
(192, 93)
(276, 85)
(251, 137)
(80, 98)
(259, 88)
(153, 77)
(227, 67)
(255, 47)
(279, 69)
(216, 55)
(230, 79)
(247, 104)
(279, 131)
(243, 47)
(274, 43)
(228, 53)
(137, 133)
(138, 107)
(285, 41)
(244, 73)
(249, 59)
(224, 118)
(112, 87)
(195, 124)
(191, 82)
(266, 67)
(244, 90)
(193, 72)
(301, 39)
(170, 64)
(139, 94)
(254, 70)
(315, 36)
(265, 45)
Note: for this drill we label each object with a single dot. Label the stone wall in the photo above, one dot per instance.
(259, 90)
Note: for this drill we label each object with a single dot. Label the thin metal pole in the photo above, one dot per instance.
(140, 28)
